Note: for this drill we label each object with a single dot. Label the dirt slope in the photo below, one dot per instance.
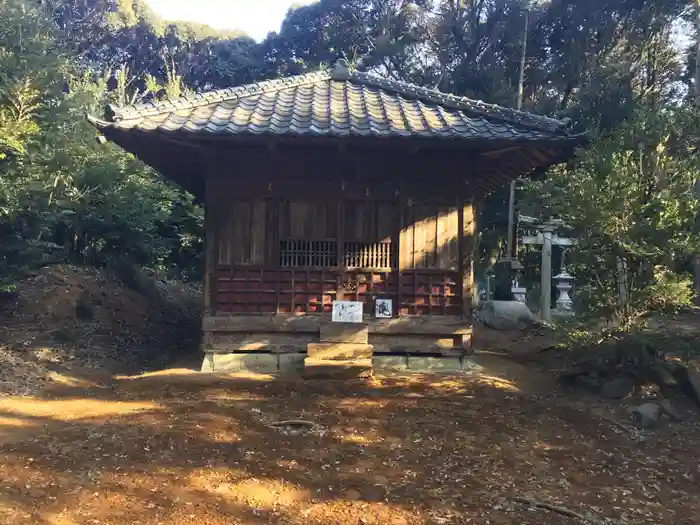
(84, 318)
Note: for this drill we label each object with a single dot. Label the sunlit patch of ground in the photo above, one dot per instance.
(70, 409)
(179, 448)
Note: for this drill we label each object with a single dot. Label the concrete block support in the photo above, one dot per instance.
(390, 363)
(434, 364)
(207, 363)
(330, 369)
(469, 366)
(291, 364)
(254, 363)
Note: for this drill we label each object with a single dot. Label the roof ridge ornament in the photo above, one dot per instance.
(112, 113)
(341, 70)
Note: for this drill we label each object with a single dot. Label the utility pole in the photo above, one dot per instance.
(511, 246)
(523, 58)
(506, 266)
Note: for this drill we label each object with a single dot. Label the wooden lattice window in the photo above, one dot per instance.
(308, 253)
(369, 255)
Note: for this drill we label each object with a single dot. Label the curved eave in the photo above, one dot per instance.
(98, 122)
(435, 138)
(177, 168)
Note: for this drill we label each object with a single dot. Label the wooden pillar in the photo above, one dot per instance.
(210, 251)
(342, 170)
(467, 246)
(212, 225)
(211, 255)
(396, 242)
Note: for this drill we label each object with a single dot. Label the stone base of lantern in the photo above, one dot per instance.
(562, 314)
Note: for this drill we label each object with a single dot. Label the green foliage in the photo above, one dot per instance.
(63, 196)
(17, 117)
(668, 292)
(628, 200)
(611, 65)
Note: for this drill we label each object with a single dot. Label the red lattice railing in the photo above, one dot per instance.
(249, 290)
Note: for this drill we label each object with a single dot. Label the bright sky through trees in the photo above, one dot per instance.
(255, 17)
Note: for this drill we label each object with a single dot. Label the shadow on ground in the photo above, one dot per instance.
(176, 447)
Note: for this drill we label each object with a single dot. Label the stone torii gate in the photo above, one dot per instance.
(546, 237)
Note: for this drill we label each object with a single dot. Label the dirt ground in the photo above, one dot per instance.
(176, 448)
(80, 446)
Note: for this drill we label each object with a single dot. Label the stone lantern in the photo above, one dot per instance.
(517, 289)
(564, 282)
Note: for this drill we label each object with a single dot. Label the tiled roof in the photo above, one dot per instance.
(337, 102)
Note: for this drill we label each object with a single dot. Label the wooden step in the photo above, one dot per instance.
(339, 351)
(330, 369)
(344, 333)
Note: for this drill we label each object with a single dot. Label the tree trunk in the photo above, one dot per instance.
(523, 59)
(697, 55)
(696, 91)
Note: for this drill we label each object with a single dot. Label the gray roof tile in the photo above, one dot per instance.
(336, 102)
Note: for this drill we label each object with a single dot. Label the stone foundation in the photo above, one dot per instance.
(293, 364)
(281, 343)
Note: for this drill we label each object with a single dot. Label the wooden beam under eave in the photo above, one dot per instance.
(397, 144)
(335, 189)
(500, 152)
(186, 170)
(517, 164)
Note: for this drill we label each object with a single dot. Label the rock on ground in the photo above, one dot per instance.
(670, 410)
(618, 387)
(506, 315)
(647, 415)
(688, 380)
(590, 381)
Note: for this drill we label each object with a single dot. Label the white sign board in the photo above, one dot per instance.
(347, 312)
(383, 308)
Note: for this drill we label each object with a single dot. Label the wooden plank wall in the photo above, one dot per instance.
(369, 221)
(247, 231)
(425, 279)
(429, 237)
(250, 231)
(308, 220)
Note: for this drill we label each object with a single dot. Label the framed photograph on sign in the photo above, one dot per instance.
(347, 312)
(383, 308)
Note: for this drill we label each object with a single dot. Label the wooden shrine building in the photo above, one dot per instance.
(332, 185)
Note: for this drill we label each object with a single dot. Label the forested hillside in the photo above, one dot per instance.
(624, 70)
